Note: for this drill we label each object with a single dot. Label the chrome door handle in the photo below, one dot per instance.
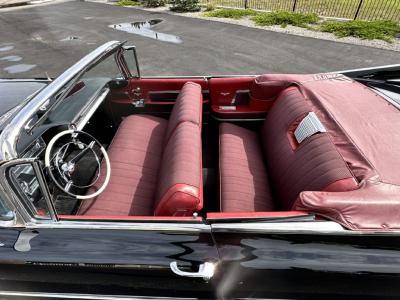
(206, 271)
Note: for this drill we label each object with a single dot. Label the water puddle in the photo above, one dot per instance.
(70, 38)
(20, 68)
(144, 29)
(11, 58)
(6, 48)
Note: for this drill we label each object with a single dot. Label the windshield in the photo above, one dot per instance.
(83, 90)
(72, 99)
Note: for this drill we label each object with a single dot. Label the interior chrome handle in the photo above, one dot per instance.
(206, 271)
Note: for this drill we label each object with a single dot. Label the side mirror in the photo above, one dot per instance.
(118, 83)
(131, 61)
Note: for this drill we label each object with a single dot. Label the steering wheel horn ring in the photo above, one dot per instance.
(66, 168)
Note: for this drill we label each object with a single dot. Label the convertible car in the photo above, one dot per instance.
(272, 186)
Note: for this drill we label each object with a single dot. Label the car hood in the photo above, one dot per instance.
(14, 92)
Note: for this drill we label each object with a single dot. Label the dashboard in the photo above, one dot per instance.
(34, 143)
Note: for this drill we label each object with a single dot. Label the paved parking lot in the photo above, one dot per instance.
(36, 40)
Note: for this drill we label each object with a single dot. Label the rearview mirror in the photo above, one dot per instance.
(131, 61)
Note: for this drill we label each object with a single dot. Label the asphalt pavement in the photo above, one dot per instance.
(46, 39)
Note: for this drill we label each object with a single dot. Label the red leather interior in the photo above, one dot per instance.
(224, 92)
(187, 108)
(243, 175)
(314, 165)
(135, 155)
(348, 174)
(148, 86)
(179, 188)
(141, 183)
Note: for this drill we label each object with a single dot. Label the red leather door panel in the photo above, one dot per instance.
(230, 98)
(157, 90)
(158, 95)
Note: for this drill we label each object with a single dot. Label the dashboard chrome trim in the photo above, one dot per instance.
(94, 105)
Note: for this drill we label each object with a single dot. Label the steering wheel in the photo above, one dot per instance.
(65, 162)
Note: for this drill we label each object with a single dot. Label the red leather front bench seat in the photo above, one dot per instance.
(275, 159)
(156, 165)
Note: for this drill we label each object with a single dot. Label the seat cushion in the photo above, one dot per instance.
(244, 183)
(135, 155)
(313, 165)
(187, 108)
(180, 184)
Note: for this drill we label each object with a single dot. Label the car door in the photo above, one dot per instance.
(297, 259)
(154, 95)
(48, 255)
(107, 260)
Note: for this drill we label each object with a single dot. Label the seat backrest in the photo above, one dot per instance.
(312, 165)
(187, 108)
(180, 182)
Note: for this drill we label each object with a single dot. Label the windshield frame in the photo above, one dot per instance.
(23, 119)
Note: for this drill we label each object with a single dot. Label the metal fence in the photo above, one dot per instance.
(347, 9)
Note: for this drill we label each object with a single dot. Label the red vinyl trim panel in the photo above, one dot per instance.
(131, 218)
(255, 215)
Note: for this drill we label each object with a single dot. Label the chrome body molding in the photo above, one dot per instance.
(140, 225)
(361, 71)
(41, 295)
(9, 136)
(312, 227)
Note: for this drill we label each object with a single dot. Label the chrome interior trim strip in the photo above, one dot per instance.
(237, 120)
(82, 296)
(146, 226)
(93, 107)
(9, 136)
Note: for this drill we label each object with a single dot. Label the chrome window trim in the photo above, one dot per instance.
(82, 296)
(10, 134)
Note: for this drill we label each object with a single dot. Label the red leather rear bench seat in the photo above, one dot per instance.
(156, 165)
(250, 164)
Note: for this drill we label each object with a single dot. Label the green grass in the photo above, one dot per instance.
(285, 18)
(128, 3)
(371, 9)
(230, 13)
(368, 30)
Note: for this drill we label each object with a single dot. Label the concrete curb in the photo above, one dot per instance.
(10, 3)
(16, 3)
